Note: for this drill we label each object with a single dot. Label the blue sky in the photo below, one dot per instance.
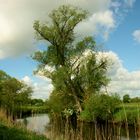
(122, 42)
(19, 66)
(115, 22)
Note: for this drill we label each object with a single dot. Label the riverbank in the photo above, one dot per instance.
(10, 130)
(16, 133)
(128, 113)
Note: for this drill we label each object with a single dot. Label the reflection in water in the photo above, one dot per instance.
(64, 130)
(36, 123)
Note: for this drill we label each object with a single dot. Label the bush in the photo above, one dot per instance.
(100, 107)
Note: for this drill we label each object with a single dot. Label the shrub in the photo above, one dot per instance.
(100, 107)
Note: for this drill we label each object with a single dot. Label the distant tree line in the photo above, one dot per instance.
(15, 95)
(128, 99)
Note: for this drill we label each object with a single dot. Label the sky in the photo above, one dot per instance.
(115, 25)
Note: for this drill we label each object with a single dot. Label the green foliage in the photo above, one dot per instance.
(131, 106)
(58, 102)
(28, 110)
(75, 75)
(129, 115)
(13, 92)
(60, 33)
(100, 107)
(37, 102)
(126, 98)
(15, 133)
(129, 112)
(135, 100)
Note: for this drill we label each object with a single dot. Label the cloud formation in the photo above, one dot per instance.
(42, 87)
(136, 35)
(17, 17)
(122, 81)
(129, 3)
(99, 23)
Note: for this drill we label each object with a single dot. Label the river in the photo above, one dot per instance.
(36, 123)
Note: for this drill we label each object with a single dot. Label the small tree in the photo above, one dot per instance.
(126, 98)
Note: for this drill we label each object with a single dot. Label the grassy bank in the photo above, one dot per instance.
(129, 112)
(131, 105)
(13, 131)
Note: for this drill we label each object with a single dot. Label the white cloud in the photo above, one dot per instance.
(42, 90)
(104, 18)
(17, 17)
(129, 3)
(2, 54)
(42, 86)
(27, 80)
(99, 23)
(122, 81)
(136, 35)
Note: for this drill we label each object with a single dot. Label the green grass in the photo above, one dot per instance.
(129, 112)
(131, 105)
(14, 133)
(132, 116)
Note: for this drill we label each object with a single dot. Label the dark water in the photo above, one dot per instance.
(60, 130)
(92, 131)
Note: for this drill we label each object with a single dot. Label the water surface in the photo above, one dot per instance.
(36, 123)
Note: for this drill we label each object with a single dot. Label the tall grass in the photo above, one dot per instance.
(129, 115)
(4, 119)
(125, 123)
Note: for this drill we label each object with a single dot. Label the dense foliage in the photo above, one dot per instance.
(126, 98)
(13, 93)
(100, 107)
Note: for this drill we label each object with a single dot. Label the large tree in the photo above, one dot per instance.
(75, 71)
